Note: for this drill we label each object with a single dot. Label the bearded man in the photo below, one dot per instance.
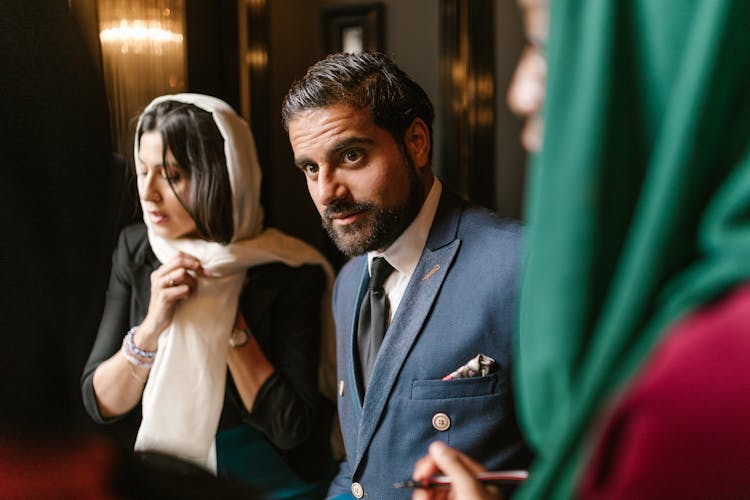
(425, 310)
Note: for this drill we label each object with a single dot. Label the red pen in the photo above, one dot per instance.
(490, 477)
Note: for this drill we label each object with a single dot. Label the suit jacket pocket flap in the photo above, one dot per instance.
(459, 388)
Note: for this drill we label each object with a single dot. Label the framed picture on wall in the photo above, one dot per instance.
(353, 28)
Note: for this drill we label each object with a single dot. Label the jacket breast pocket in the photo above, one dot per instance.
(452, 389)
(463, 413)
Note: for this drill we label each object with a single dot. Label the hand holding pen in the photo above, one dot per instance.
(462, 472)
(487, 477)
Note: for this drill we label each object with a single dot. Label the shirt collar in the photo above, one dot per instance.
(404, 253)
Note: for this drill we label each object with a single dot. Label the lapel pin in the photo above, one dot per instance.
(432, 271)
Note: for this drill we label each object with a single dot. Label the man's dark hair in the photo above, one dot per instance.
(367, 80)
(192, 136)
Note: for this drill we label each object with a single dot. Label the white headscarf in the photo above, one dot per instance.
(184, 395)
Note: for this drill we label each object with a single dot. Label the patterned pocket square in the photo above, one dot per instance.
(478, 366)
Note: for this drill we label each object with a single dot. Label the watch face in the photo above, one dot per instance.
(239, 337)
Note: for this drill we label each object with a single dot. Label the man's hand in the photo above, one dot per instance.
(461, 469)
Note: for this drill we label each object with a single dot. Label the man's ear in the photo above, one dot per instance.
(417, 141)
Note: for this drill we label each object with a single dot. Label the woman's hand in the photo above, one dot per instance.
(118, 385)
(170, 283)
(461, 469)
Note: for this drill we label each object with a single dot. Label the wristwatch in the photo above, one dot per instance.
(239, 337)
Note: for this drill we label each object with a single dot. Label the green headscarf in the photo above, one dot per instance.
(639, 206)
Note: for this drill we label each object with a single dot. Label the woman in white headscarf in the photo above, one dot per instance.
(215, 329)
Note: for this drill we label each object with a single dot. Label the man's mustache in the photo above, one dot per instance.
(340, 208)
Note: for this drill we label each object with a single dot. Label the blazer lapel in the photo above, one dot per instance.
(437, 258)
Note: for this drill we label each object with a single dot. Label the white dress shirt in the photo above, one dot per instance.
(404, 253)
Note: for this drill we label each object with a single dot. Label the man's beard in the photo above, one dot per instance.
(380, 227)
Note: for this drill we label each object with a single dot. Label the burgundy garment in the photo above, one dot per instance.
(79, 470)
(92, 468)
(682, 429)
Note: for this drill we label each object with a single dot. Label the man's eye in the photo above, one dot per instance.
(310, 169)
(352, 156)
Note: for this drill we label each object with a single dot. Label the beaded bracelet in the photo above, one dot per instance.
(133, 360)
(134, 349)
(133, 354)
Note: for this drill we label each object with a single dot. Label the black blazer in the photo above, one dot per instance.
(281, 305)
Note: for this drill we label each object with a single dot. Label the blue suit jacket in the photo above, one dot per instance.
(461, 301)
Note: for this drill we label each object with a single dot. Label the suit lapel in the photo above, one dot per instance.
(437, 258)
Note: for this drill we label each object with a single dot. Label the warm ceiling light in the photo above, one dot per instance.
(138, 31)
(143, 55)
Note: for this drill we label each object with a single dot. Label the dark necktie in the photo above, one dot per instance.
(373, 315)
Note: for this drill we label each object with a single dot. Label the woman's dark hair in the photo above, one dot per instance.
(367, 80)
(192, 136)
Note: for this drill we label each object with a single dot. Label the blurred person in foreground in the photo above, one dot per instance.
(632, 378)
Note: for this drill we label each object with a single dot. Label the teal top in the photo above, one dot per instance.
(246, 456)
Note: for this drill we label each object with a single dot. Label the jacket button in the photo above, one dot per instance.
(441, 422)
(341, 388)
(357, 490)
